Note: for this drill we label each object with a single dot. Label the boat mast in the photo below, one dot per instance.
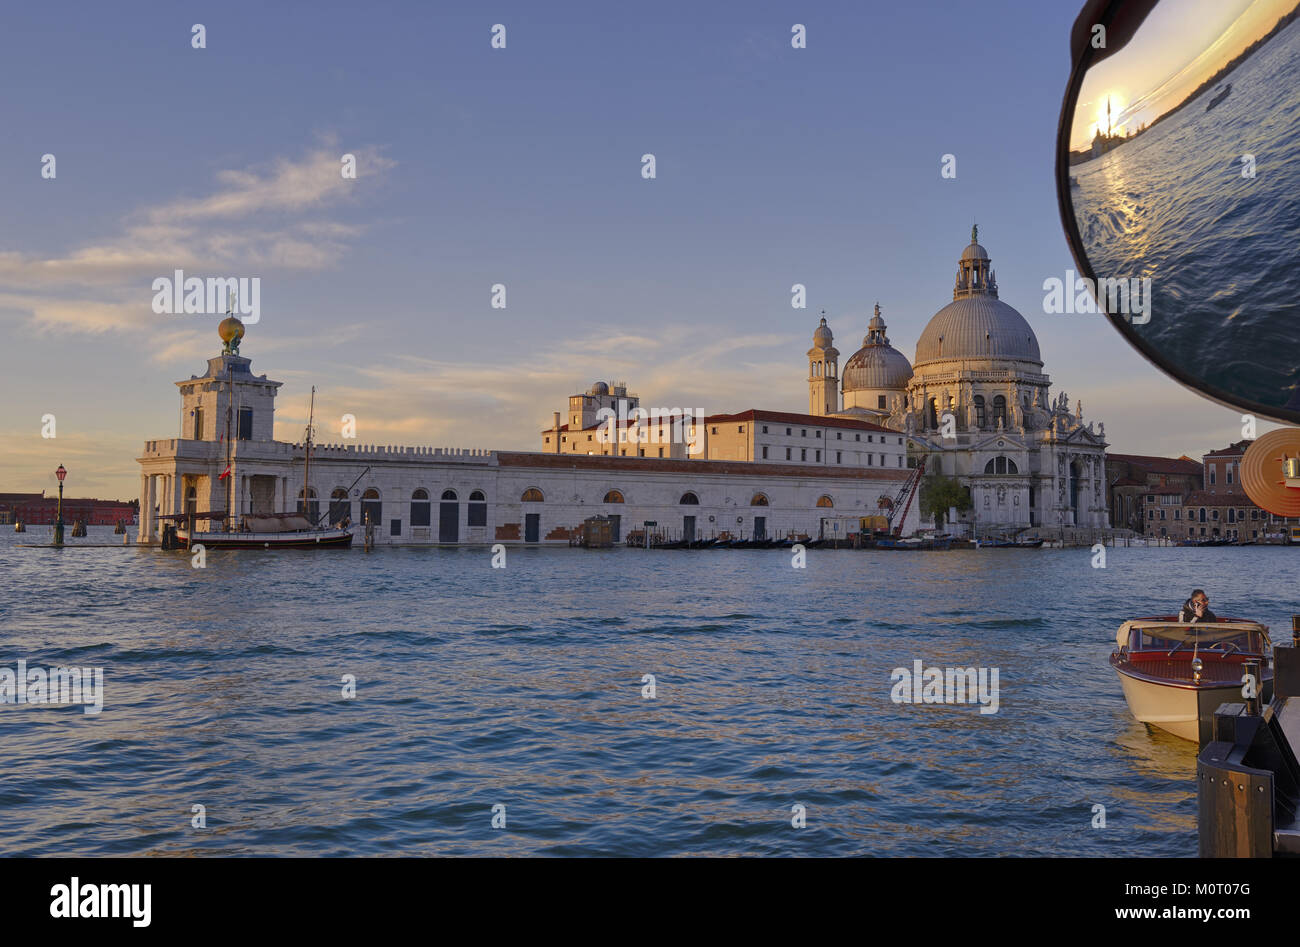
(306, 464)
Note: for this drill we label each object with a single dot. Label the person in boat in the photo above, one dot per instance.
(1197, 608)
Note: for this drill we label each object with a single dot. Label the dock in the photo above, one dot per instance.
(1247, 776)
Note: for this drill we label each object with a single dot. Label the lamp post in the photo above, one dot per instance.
(58, 519)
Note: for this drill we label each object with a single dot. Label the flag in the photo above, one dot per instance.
(225, 473)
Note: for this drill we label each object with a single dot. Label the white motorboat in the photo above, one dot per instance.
(1176, 674)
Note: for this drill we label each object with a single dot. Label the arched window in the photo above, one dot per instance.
(1001, 465)
(759, 500)
(613, 497)
(449, 494)
(1011, 466)
(825, 501)
(312, 505)
(420, 508)
(690, 499)
(981, 417)
(340, 506)
(932, 412)
(532, 495)
(372, 507)
(477, 509)
(1000, 410)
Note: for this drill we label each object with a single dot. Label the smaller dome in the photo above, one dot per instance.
(822, 337)
(974, 252)
(877, 364)
(230, 329)
(599, 388)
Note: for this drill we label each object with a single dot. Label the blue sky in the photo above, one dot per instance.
(521, 166)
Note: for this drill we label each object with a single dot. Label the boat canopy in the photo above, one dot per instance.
(1207, 632)
(282, 523)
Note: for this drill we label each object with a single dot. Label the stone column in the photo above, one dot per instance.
(142, 534)
(147, 504)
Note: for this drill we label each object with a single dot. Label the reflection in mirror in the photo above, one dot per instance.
(1184, 178)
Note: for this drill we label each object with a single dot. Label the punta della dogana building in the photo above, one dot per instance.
(769, 475)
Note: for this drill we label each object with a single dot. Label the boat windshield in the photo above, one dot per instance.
(1230, 637)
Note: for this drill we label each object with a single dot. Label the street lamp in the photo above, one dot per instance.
(58, 519)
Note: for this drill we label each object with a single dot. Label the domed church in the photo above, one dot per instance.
(977, 405)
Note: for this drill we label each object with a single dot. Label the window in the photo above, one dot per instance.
(311, 507)
(1000, 410)
(741, 429)
(819, 457)
(787, 432)
(819, 433)
(613, 496)
(715, 430)
(1228, 474)
(869, 463)
(803, 432)
(758, 500)
(857, 437)
(787, 453)
(1001, 465)
(661, 452)
(449, 495)
(825, 501)
(765, 452)
(803, 453)
(477, 509)
(198, 424)
(395, 528)
(420, 508)
(882, 460)
(880, 402)
(764, 428)
(870, 439)
(839, 435)
(532, 495)
(1211, 476)
(689, 499)
(839, 457)
(340, 506)
(246, 425)
(372, 507)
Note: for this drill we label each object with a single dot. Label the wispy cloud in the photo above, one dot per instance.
(255, 221)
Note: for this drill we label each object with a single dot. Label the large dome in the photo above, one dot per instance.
(877, 364)
(977, 327)
(976, 324)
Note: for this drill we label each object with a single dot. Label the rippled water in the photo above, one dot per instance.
(522, 687)
(1221, 249)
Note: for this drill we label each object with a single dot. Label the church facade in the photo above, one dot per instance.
(977, 405)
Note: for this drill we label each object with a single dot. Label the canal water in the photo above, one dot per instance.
(523, 688)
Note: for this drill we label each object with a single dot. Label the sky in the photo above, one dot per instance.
(521, 166)
(1181, 44)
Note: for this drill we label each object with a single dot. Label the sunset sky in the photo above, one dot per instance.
(522, 166)
(1179, 45)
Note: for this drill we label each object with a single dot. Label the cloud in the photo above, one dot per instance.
(251, 224)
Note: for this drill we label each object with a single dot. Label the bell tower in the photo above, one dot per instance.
(823, 373)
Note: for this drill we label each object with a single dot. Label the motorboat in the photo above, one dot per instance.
(1176, 674)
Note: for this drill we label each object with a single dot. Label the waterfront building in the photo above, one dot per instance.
(976, 404)
(36, 509)
(1136, 479)
(418, 495)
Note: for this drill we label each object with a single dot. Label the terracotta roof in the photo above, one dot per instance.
(1205, 498)
(731, 467)
(1164, 465)
(1232, 449)
(811, 420)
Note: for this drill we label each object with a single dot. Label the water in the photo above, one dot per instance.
(1220, 249)
(522, 687)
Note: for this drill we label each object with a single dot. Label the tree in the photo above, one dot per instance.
(938, 493)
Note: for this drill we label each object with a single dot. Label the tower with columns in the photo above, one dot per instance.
(823, 373)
